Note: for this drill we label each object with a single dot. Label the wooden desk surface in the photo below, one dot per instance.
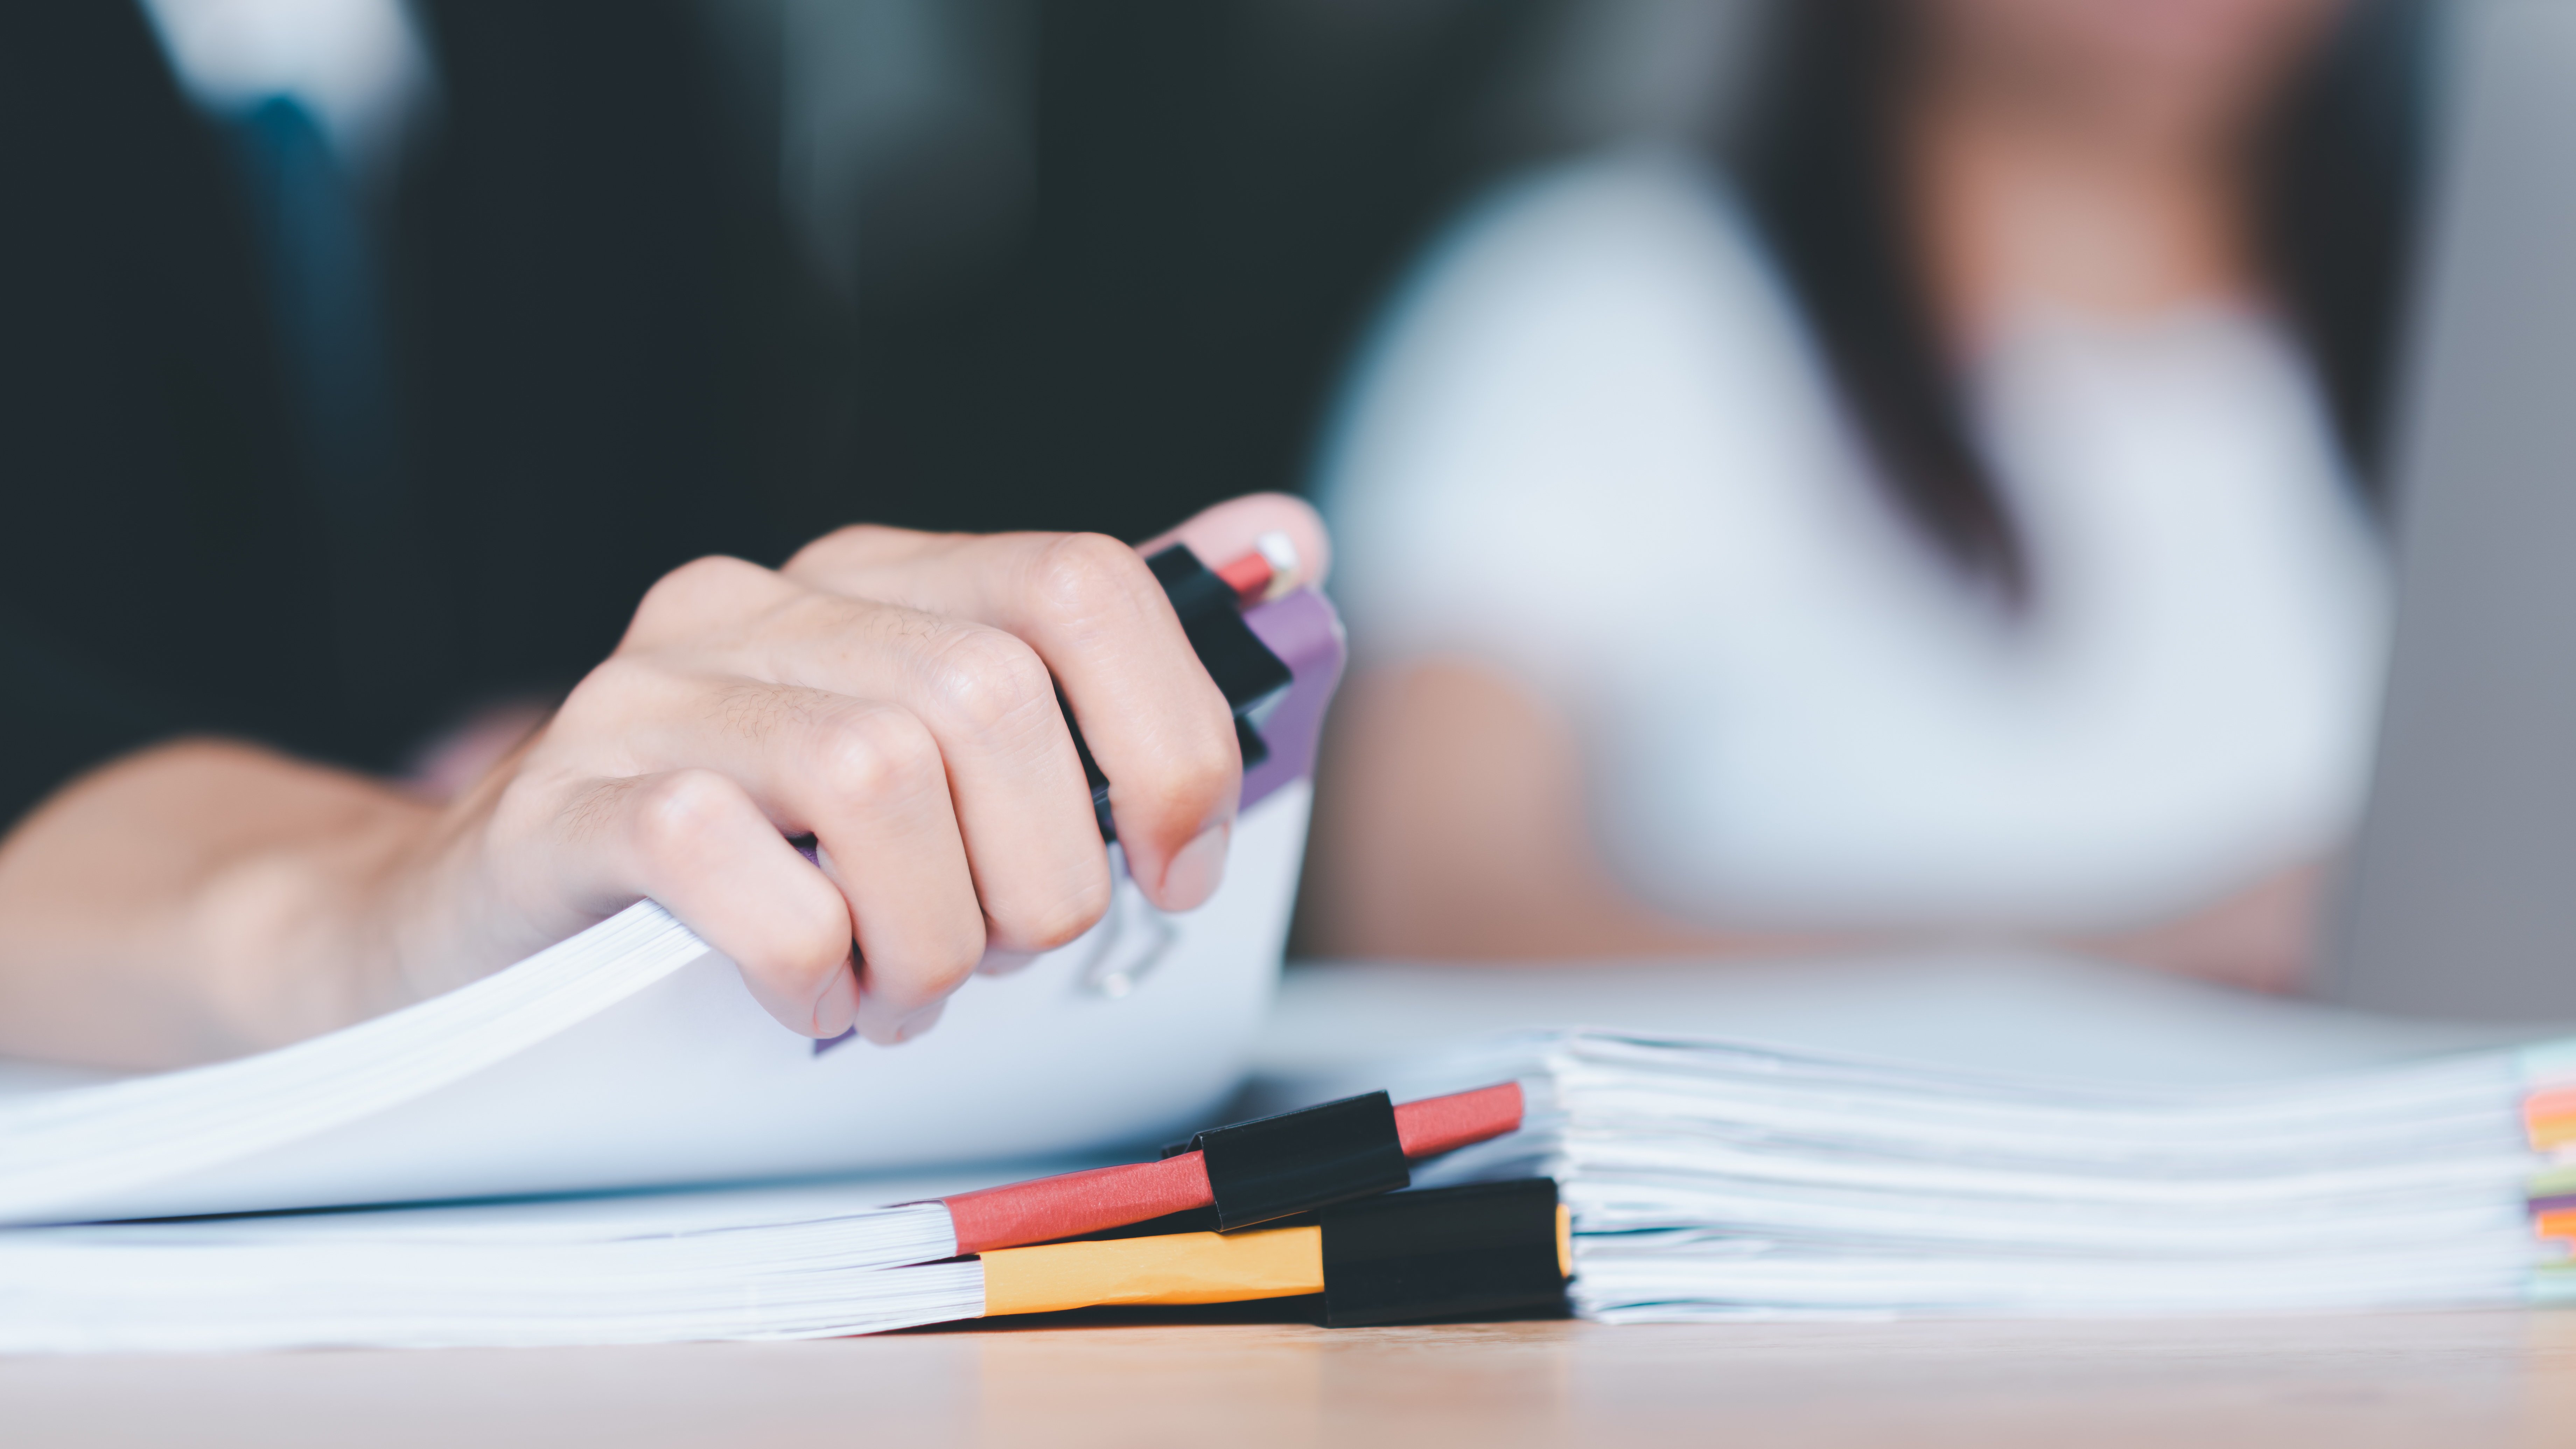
(2426, 1379)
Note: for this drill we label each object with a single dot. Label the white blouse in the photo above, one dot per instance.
(1593, 447)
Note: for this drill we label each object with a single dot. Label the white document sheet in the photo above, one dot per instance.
(667, 1072)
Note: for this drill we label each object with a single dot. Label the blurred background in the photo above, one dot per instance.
(996, 263)
(1097, 264)
(1935, 444)
(414, 338)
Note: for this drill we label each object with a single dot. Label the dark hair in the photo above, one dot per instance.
(2335, 180)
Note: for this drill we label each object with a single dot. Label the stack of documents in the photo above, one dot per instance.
(1711, 1180)
(2549, 1122)
(631, 1056)
(2316, 1165)
(1305, 1200)
(793, 1262)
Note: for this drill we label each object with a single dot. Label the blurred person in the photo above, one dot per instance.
(1955, 519)
(364, 619)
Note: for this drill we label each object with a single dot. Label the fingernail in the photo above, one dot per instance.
(1197, 871)
(919, 1022)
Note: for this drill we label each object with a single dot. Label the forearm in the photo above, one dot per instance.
(197, 901)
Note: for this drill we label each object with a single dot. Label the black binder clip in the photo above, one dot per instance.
(1447, 1252)
(1296, 1162)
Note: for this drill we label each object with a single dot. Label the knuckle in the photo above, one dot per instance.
(826, 552)
(601, 693)
(614, 683)
(877, 755)
(843, 547)
(1057, 921)
(1083, 575)
(954, 961)
(981, 680)
(695, 586)
(1205, 768)
(929, 969)
(1192, 786)
(675, 814)
(701, 575)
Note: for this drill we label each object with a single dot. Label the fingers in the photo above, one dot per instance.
(927, 756)
(870, 560)
(866, 780)
(694, 840)
(870, 781)
(934, 773)
(894, 694)
(985, 698)
(1022, 806)
(994, 750)
(1155, 722)
(1100, 624)
(1096, 620)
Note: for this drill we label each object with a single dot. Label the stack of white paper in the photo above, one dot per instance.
(1712, 1180)
(1708, 1178)
(788, 1262)
(628, 1056)
(631, 1056)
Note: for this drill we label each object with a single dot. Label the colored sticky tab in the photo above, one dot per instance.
(1499, 1247)
(1173, 1269)
(2549, 1116)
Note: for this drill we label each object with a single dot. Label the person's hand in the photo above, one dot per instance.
(892, 694)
